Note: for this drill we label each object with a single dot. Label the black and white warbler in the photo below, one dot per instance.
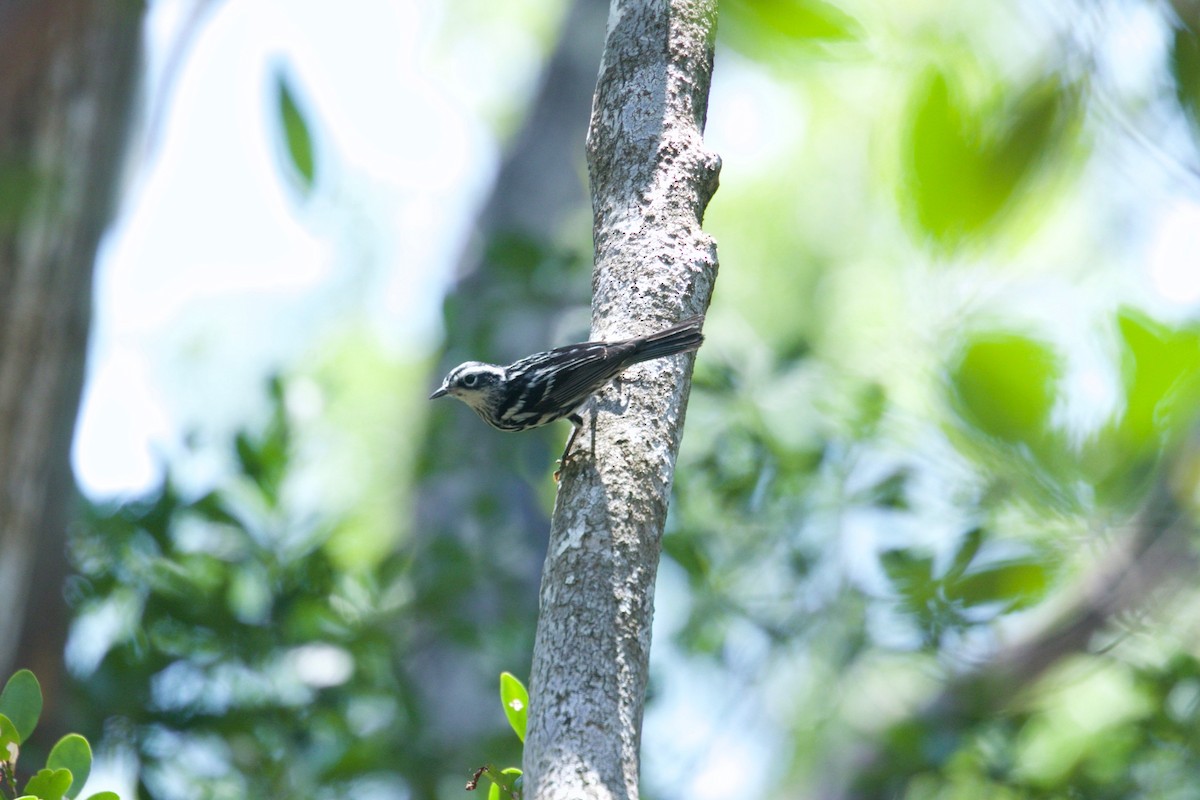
(549, 386)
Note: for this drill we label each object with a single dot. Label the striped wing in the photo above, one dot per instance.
(551, 385)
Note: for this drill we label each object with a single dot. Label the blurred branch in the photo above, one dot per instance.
(180, 49)
(652, 179)
(1152, 559)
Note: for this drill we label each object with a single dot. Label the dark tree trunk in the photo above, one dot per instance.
(67, 76)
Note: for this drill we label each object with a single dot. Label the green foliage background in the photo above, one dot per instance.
(892, 469)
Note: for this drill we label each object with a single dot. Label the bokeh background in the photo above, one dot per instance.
(943, 412)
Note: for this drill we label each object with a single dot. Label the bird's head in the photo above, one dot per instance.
(472, 382)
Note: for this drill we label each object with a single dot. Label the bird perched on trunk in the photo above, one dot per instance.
(549, 386)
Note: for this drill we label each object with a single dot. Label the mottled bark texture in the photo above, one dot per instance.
(67, 72)
(651, 182)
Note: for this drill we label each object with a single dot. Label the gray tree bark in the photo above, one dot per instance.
(652, 179)
(67, 75)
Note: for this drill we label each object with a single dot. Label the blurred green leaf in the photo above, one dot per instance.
(1017, 584)
(685, 549)
(49, 784)
(297, 132)
(788, 21)
(912, 577)
(805, 19)
(74, 754)
(1031, 130)
(516, 702)
(504, 784)
(1160, 381)
(1161, 376)
(943, 168)
(516, 252)
(8, 736)
(1004, 385)
(870, 403)
(212, 508)
(104, 796)
(264, 459)
(891, 492)
(938, 602)
(21, 702)
(911, 574)
(715, 376)
(965, 163)
(968, 548)
(1185, 69)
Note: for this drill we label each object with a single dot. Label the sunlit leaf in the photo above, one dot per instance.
(297, 133)
(1017, 584)
(21, 702)
(1160, 373)
(516, 702)
(943, 167)
(1160, 381)
(104, 796)
(505, 785)
(1004, 386)
(49, 784)
(797, 20)
(74, 754)
(9, 740)
(966, 163)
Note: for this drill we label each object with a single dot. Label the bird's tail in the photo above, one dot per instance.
(682, 338)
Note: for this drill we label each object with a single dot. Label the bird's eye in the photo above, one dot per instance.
(470, 380)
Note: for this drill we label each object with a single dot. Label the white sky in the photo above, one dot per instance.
(215, 272)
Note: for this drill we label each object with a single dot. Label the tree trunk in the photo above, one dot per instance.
(651, 182)
(67, 70)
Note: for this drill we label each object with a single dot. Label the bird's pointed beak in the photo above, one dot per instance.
(442, 391)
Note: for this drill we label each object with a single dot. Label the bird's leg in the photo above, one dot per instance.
(576, 423)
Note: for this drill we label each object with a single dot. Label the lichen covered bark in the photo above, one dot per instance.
(652, 179)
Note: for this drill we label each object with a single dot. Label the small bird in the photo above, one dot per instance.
(549, 386)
